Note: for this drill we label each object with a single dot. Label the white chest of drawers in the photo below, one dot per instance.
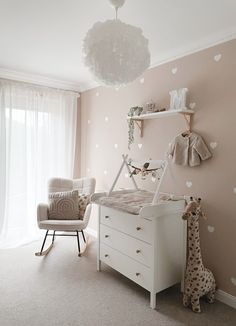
(147, 248)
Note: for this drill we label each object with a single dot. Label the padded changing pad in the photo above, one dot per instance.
(130, 201)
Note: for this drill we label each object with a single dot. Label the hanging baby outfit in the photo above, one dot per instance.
(189, 150)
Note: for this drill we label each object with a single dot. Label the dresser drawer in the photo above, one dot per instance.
(133, 225)
(135, 271)
(134, 248)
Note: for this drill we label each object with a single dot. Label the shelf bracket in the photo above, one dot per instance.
(139, 124)
(187, 118)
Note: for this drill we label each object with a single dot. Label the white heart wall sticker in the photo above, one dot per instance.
(233, 280)
(213, 144)
(142, 80)
(174, 70)
(192, 105)
(210, 228)
(189, 184)
(140, 146)
(234, 190)
(153, 179)
(126, 175)
(115, 146)
(217, 57)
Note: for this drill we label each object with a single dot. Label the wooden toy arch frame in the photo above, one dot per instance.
(125, 163)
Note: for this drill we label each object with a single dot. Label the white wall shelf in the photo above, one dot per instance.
(139, 120)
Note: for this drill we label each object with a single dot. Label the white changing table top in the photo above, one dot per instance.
(138, 202)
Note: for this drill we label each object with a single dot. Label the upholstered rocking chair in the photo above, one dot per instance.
(69, 227)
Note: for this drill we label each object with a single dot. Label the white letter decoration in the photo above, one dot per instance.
(178, 99)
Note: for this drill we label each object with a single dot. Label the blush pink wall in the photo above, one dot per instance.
(212, 86)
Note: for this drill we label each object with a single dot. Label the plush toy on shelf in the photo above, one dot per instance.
(199, 280)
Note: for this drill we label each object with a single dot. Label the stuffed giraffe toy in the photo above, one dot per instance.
(198, 281)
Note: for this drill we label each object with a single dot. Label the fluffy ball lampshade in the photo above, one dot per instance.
(115, 52)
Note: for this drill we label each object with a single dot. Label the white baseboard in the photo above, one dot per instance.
(92, 232)
(226, 298)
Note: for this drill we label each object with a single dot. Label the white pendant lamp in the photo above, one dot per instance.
(116, 53)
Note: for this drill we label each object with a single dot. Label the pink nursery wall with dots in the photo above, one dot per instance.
(210, 76)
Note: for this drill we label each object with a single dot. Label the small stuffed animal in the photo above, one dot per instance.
(199, 280)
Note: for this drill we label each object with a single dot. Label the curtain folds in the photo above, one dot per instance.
(37, 142)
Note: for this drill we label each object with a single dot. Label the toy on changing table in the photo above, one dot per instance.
(199, 280)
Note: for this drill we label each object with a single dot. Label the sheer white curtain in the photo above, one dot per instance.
(37, 142)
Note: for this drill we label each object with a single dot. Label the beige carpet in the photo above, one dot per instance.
(65, 290)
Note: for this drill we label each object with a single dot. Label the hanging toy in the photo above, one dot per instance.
(149, 167)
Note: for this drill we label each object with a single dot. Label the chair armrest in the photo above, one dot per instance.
(42, 212)
(87, 214)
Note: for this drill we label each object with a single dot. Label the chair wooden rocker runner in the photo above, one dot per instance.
(85, 186)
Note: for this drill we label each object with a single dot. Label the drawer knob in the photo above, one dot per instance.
(106, 216)
(138, 251)
(138, 228)
(106, 255)
(137, 274)
(106, 236)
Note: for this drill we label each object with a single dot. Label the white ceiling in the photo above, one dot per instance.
(44, 37)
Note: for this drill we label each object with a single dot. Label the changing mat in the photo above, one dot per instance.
(130, 201)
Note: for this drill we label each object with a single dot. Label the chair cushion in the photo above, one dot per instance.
(64, 205)
(62, 225)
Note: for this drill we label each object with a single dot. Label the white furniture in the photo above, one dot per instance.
(84, 186)
(139, 120)
(147, 248)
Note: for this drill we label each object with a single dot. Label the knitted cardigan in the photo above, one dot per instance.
(189, 150)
